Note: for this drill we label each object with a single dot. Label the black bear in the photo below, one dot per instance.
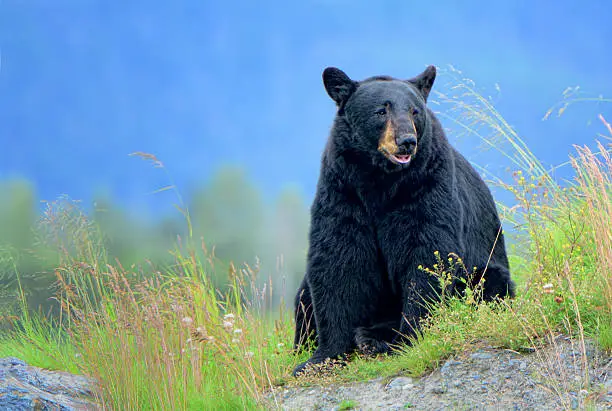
(392, 191)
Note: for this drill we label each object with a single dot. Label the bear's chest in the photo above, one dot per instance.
(382, 200)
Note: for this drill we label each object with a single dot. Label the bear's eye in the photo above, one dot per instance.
(415, 111)
(381, 112)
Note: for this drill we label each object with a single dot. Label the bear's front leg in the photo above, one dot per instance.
(419, 288)
(344, 279)
(407, 250)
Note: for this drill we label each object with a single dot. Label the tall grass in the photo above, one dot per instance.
(595, 183)
(153, 338)
(165, 339)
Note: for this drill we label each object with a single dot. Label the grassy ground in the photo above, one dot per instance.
(170, 340)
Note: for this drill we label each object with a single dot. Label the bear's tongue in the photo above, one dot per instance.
(402, 158)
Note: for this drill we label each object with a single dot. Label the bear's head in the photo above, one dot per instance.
(387, 118)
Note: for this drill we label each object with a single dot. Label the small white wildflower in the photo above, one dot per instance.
(235, 340)
(228, 324)
(280, 345)
(188, 340)
(238, 331)
(187, 321)
(228, 316)
(183, 350)
(548, 288)
(249, 354)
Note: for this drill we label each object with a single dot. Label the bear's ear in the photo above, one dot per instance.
(424, 81)
(338, 85)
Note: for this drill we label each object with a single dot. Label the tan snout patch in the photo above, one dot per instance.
(387, 144)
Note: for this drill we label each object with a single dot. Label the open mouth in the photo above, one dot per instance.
(401, 158)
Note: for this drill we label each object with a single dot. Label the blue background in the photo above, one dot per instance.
(84, 83)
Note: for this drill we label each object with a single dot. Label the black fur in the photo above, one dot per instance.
(374, 220)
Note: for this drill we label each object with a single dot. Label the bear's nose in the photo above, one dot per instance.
(407, 143)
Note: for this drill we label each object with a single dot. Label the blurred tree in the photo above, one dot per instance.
(289, 240)
(17, 213)
(131, 241)
(121, 235)
(18, 258)
(228, 214)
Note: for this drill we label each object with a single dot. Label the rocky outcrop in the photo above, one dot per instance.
(553, 377)
(23, 387)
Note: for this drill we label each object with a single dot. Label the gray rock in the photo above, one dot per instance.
(448, 364)
(23, 387)
(400, 383)
(481, 356)
(507, 380)
(438, 389)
